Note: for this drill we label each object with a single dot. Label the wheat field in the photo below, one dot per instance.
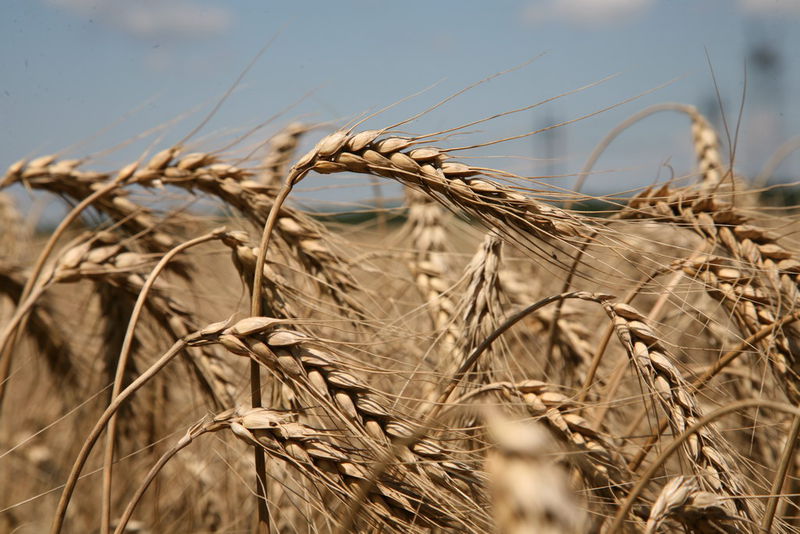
(482, 357)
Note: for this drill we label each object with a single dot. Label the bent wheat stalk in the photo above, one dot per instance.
(122, 362)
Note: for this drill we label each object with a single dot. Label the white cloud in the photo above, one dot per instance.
(177, 19)
(771, 7)
(586, 13)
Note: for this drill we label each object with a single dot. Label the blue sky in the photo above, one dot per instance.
(74, 68)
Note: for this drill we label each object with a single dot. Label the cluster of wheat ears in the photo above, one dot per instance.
(485, 358)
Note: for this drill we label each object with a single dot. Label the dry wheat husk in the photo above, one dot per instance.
(530, 493)
(432, 171)
(64, 178)
(101, 258)
(304, 240)
(707, 150)
(595, 454)
(281, 151)
(706, 451)
(682, 499)
(12, 230)
(430, 264)
(317, 373)
(398, 501)
(44, 330)
(758, 284)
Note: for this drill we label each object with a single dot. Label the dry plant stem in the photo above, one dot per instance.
(255, 303)
(702, 380)
(725, 360)
(258, 455)
(80, 461)
(780, 475)
(184, 442)
(430, 415)
(551, 335)
(619, 519)
(8, 342)
(140, 491)
(255, 373)
(598, 356)
(122, 362)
